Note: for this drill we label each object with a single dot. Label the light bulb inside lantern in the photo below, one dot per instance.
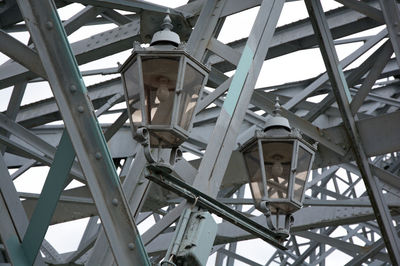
(277, 169)
(163, 91)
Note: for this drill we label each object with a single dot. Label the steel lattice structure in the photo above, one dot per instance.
(356, 123)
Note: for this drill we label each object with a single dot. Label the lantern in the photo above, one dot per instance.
(162, 85)
(278, 162)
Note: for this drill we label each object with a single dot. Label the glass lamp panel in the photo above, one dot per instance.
(193, 80)
(252, 161)
(132, 88)
(303, 166)
(277, 163)
(159, 79)
(164, 139)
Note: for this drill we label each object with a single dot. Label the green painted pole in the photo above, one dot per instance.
(47, 203)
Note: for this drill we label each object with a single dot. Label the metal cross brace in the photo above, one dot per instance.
(54, 185)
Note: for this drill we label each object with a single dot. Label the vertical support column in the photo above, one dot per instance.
(87, 138)
(340, 90)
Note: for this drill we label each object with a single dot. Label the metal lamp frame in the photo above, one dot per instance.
(298, 141)
(184, 58)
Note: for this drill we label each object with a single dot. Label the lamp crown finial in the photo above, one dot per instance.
(167, 22)
(277, 106)
(166, 36)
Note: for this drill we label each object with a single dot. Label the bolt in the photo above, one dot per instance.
(131, 246)
(73, 88)
(98, 155)
(114, 201)
(49, 25)
(80, 109)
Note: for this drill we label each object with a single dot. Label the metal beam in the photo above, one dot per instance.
(340, 89)
(21, 53)
(364, 8)
(70, 92)
(54, 185)
(223, 139)
(391, 13)
(15, 219)
(204, 28)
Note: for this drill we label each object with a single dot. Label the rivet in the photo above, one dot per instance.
(49, 25)
(73, 88)
(131, 246)
(80, 109)
(98, 155)
(114, 201)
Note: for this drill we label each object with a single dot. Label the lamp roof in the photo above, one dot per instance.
(166, 36)
(276, 120)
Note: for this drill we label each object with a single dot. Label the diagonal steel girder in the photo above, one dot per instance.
(88, 141)
(209, 178)
(340, 90)
(223, 138)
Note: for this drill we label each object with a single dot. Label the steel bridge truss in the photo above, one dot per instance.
(352, 201)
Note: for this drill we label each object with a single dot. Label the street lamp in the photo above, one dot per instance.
(278, 162)
(162, 84)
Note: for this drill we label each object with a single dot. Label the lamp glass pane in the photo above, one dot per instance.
(277, 163)
(132, 88)
(303, 165)
(164, 139)
(193, 80)
(159, 79)
(252, 160)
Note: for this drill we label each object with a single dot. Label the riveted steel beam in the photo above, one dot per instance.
(70, 93)
(342, 95)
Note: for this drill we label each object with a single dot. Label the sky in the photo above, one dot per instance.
(295, 66)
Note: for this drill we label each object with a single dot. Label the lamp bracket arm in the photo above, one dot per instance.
(163, 157)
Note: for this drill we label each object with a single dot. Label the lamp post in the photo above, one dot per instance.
(162, 84)
(278, 162)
